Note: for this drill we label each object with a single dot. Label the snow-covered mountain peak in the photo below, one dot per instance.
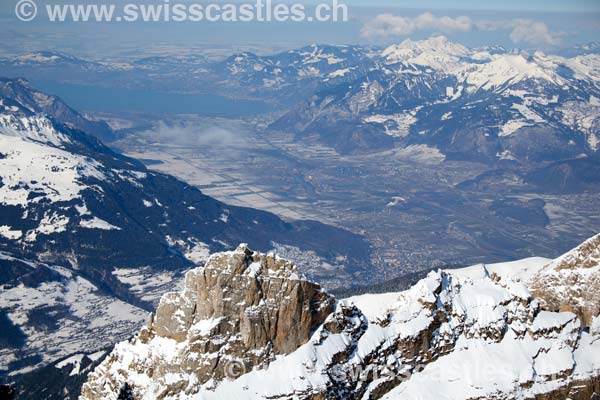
(479, 69)
(439, 44)
(18, 98)
(20, 114)
(36, 128)
(436, 52)
(32, 144)
(585, 67)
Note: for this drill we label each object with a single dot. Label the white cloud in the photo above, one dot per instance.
(525, 31)
(533, 33)
(522, 31)
(388, 24)
(193, 135)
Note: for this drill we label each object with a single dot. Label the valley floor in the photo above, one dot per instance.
(403, 200)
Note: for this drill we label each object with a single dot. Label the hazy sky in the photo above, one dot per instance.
(548, 25)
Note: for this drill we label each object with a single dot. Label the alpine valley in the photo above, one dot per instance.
(346, 170)
(91, 239)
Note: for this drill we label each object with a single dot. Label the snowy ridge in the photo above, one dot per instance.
(37, 129)
(505, 70)
(586, 256)
(470, 333)
(482, 69)
(32, 144)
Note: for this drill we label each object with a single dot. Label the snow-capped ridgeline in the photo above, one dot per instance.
(487, 70)
(429, 91)
(437, 53)
(36, 168)
(37, 128)
(533, 79)
(32, 144)
(476, 332)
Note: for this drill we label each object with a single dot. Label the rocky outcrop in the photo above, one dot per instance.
(238, 312)
(247, 327)
(572, 282)
(258, 299)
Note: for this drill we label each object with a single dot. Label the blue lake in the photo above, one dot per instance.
(92, 98)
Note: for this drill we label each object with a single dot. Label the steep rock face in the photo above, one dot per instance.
(572, 282)
(238, 312)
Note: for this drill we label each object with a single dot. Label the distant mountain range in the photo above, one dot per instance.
(90, 238)
(474, 105)
(486, 104)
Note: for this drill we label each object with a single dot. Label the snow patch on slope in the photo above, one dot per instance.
(52, 174)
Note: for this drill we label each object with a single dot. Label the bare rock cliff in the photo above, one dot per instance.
(238, 312)
(572, 282)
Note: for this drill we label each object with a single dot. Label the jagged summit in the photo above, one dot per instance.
(471, 333)
(239, 312)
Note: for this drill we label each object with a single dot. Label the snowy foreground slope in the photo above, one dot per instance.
(471, 333)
